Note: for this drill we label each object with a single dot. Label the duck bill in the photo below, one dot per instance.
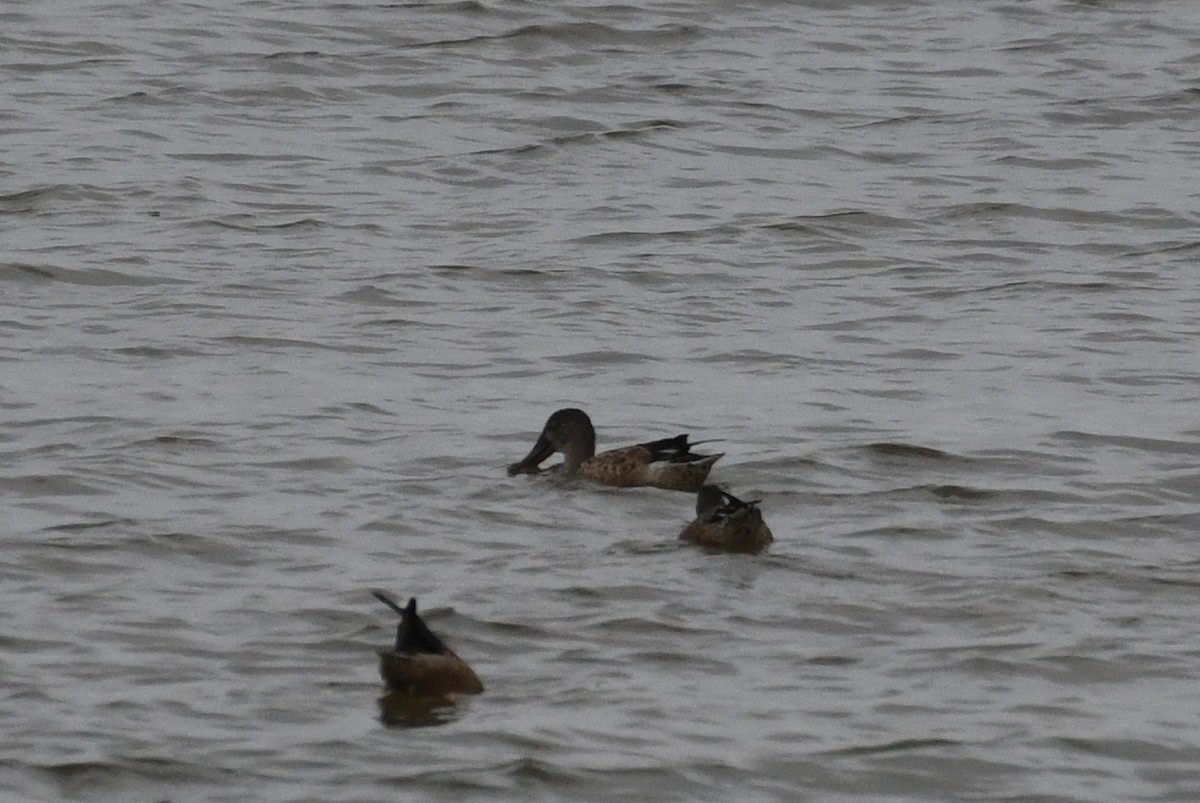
(540, 451)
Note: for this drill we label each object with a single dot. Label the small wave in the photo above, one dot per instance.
(908, 450)
(462, 7)
(1064, 163)
(294, 54)
(898, 531)
(575, 33)
(227, 223)
(372, 296)
(1024, 287)
(833, 660)
(923, 355)
(1156, 445)
(1059, 214)
(606, 357)
(183, 441)
(1131, 750)
(841, 221)
(156, 353)
(130, 778)
(898, 746)
(289, 343)
(40, 485)
(957, 492)
(83, 526)
(718, 232)
(88, 277)
(334, 464)
(23, 201)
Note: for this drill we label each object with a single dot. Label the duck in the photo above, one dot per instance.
(668, 463)
(727, 523)
(420, 665)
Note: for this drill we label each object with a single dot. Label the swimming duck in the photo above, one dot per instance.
(725, 522)
(421, 665)
(667, 463)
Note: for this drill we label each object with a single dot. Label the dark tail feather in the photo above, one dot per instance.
(676, 450)
(677, 444)
(388, 601)
(736, 503)
(412, 634)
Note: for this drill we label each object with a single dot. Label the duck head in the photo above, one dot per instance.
(568, 431)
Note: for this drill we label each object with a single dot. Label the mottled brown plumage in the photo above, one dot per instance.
(668, 463)
(727, 523)
(420, 665)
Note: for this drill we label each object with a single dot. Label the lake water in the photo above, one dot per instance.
(286, 285)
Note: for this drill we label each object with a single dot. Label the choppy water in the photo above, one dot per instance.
(286, 285)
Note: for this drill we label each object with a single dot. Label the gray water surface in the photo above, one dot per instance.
(285, 286)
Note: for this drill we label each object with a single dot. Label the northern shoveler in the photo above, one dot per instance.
(725, 522)
(667, 463)
(421, 665)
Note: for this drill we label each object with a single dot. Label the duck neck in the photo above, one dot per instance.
(577, 451)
